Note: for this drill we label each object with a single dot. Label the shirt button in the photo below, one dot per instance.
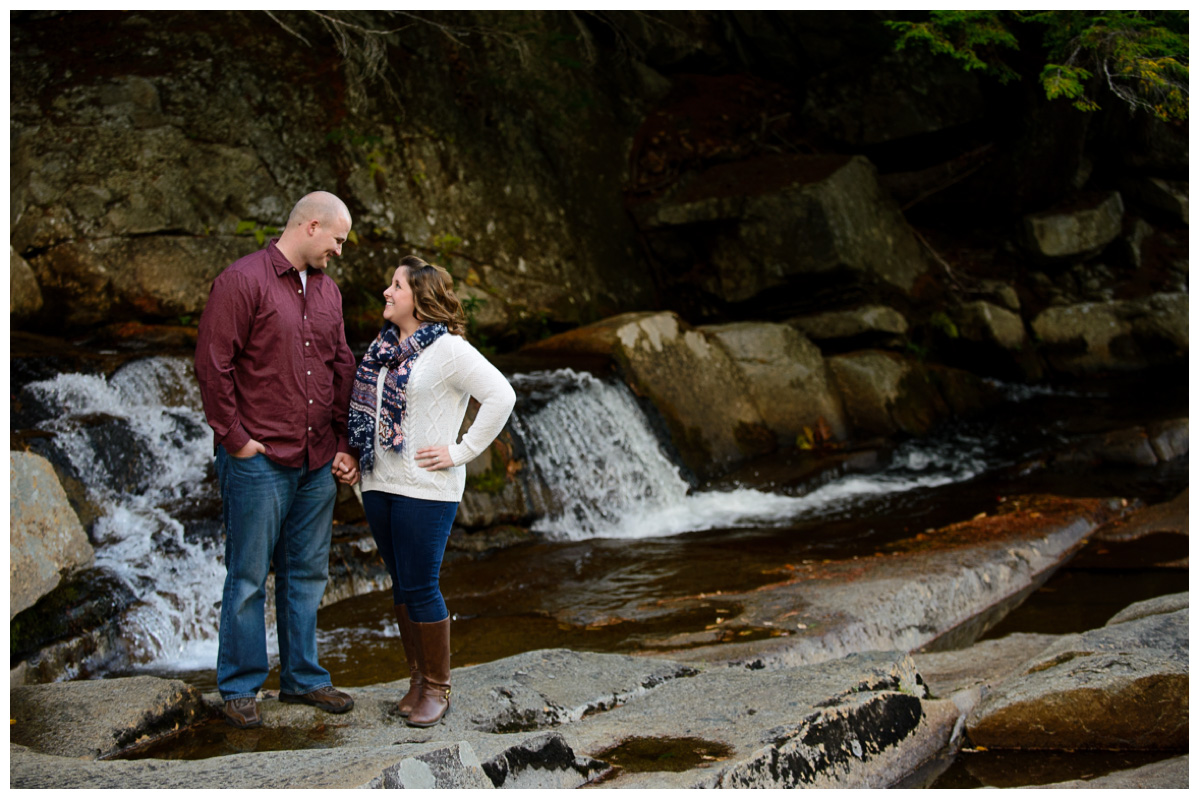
(310, 402)
(306, 344)
(310, 372)
(310, 429)
(299, 291)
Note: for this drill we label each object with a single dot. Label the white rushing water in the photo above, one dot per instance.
(141, 446)
(595, 469)
(604, 474)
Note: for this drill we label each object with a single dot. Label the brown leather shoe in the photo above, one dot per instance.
(435, 661)
(243, 713)
(412, 654)
(327, 699)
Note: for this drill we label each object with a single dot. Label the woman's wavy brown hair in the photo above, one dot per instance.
(433, 295)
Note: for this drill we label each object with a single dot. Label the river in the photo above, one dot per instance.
(621, 529)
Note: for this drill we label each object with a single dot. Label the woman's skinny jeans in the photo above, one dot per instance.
(411, 536)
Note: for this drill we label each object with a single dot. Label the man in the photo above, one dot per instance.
(275, 375)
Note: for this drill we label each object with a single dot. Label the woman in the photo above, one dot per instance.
(408, 402)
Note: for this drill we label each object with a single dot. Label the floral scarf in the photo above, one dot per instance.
(398, 356)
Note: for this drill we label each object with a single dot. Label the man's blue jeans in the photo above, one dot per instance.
(285, 515)
(411, 536)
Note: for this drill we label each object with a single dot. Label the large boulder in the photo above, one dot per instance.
(45, 537)
(24, 294)
(786, 377)
(991, 339)
(986, 323)
(74, 631)
(689, 376)
(1168, 197)
(883, 324)
(1120, 687)
(1120, 335)
(788, 219)
(159, 276)
(1079, 229)
(885, 393)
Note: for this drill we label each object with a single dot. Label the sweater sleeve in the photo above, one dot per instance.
(476, 376)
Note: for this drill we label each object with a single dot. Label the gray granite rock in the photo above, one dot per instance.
(1118, 335)
(1082, 229)
(92, 719)
(1171, 773)
(786, 377)
(858, 721)
(45, 537)
(1123, 686)
(1148, 608)
(884, 322)
(24, 294)
(544, 688)
(411, 766)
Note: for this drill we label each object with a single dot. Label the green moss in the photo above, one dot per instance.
(941, 321)
(490, 482)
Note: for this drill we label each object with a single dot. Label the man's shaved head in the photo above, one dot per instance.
(321, 206)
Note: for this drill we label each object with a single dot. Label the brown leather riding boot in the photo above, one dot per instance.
(412, 654)
(435, 665)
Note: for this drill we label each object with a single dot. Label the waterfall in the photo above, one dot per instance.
(597, 464)
(600, 471)
(140, 445)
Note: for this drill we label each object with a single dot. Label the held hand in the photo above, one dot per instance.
(250, 448)
(434, 458)
(345, 468)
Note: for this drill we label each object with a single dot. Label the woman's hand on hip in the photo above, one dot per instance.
(434, 458)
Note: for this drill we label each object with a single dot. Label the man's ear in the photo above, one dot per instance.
(311, 227)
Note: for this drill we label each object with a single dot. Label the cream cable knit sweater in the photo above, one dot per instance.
(444, 378)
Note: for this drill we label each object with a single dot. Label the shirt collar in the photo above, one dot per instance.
(280, 262)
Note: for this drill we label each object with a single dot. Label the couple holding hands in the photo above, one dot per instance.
(291, 413)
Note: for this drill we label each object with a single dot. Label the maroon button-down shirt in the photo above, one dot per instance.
(273, 363)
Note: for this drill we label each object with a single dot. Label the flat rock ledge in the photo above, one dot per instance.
(1120, 687)
(562, 719)
(537, 720)
(958, 579)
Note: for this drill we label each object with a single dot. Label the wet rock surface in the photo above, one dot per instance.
(901, 598)
(550, 718)
(1170, 773)
(94, 719)
(72, 630)
(858, 721)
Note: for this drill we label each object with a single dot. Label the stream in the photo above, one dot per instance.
(620, 527)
